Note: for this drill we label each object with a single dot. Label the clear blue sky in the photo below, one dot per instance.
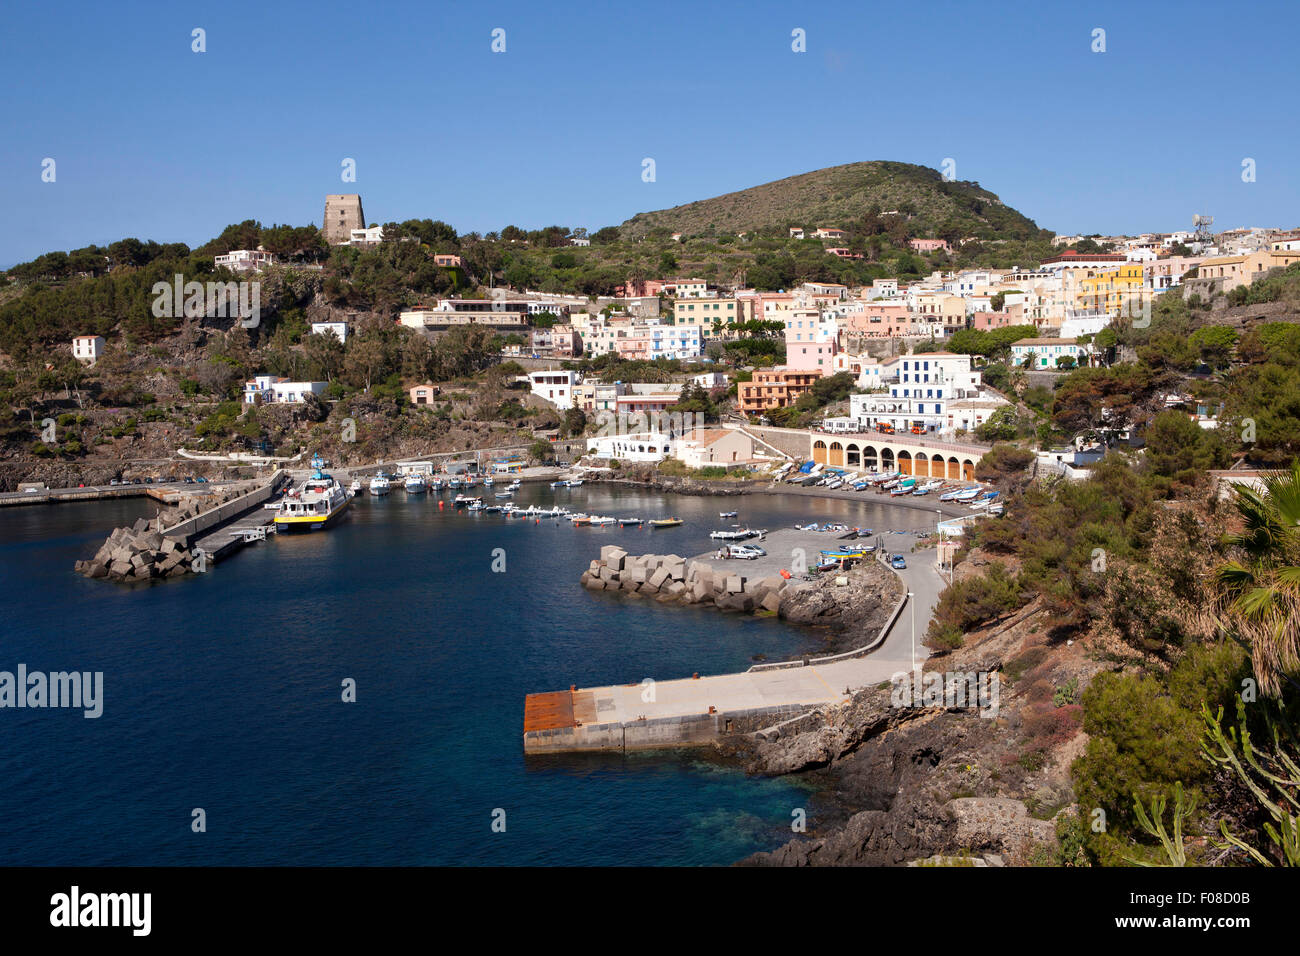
(154, 141)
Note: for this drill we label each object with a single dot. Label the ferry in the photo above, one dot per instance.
(415, 484)
(316, 504)
(379, 485)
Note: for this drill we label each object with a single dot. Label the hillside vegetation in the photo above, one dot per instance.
(838, 195)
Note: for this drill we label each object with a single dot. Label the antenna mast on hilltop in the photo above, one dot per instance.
(1203, 224)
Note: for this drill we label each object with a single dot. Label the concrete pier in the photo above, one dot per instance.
(701, 709)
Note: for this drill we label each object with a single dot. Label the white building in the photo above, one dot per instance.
(935, 393)
(366, 237)
(555, 385)
(88, 348)
(246, 260)
(1046, 352)
(642, 446)
(710, 379)
(275, 389)
(337, 329)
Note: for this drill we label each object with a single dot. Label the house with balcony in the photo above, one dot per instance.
(772, 388)
(275, 389)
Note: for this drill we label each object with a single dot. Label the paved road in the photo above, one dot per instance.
(90, 491)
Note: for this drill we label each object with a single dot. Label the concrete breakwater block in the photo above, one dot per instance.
(671, 578)
(137, 553)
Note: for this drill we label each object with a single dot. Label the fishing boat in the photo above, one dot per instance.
(415, 484)
(904, 487)
(968, 495)
(728, 514)
(665, 522)
(488, 481)
(739, 534)
(952, 495)
(476, 505)
(356, 487)
(316, 504)
(465, 500)
(379, 485)
(455, 483)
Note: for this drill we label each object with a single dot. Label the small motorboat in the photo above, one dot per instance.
(560, 484)
(665, 522)
(505, 494)
(728, 514)
(574, 482)
(629, 521)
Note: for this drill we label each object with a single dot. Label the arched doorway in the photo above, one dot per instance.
(836, 456)
(870, 458)
(921, 467)
(852, 456)
(954, 468)
(905, 462)
(886, 459)
(968, 470)
(819, 452)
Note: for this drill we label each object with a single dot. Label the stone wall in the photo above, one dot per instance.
(671, 578)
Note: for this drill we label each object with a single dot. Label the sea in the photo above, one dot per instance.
(225, 737)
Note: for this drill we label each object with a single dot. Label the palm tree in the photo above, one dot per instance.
(1260, 594)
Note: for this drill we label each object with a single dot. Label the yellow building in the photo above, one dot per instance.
(1116, 291)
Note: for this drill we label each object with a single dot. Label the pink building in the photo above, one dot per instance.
(929, 245)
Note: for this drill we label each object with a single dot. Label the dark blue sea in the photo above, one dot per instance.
(223, 692)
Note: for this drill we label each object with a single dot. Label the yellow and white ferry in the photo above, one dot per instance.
(316, 504)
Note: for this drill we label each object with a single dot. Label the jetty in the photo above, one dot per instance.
(700, 709)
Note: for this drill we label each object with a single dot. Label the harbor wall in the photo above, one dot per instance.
(186, 531)
(655, 734)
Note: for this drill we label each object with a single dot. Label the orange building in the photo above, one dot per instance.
(774, 388)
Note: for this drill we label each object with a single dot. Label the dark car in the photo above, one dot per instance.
(189, 480)
(148, 481)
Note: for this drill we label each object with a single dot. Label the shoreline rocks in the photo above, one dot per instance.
(672, 578)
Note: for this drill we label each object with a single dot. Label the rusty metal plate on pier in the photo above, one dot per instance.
(548, 711)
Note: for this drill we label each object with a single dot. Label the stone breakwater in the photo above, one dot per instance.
(138, 553)
(142, 552)
(672, 578)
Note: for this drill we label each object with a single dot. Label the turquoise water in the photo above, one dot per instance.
(222, 692)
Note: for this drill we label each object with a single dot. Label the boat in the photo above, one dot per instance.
(629, 521)
(968, 495)
(574, 482)
(604, 521)
(739, 534)
(505, 494)
(273, 505)
(464, 500)
(904, 487)
(665, 522)
(316, 504)
(379, 485)
(488, 481)
(415, 484)
(559, 484)
(356, 487)
(728, 514)
(996, 508)
(514, 485)
(952, 495)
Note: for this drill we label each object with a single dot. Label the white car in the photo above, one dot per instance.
(745, 552)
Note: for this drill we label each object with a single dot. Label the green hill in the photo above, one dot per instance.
(844, 196)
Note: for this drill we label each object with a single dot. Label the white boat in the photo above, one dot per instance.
(560, 484)
(604, 520)
(625, 522)
(356, 487)
(740, 534)
(463, 500)
(574, 482)
(476, 504)
(505, 494)
(414, 484)
(316, 504)
(728, 514)
(968, 495)
(379, 485)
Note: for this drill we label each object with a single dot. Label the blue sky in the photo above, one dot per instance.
(155, 141)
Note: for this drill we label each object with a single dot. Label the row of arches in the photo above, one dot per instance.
(862, 455)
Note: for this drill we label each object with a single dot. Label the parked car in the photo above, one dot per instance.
(897, 562)
(148, 481)
(745, 552)
(116, 481)
(201, 479)
(189, 479)
(136, 481)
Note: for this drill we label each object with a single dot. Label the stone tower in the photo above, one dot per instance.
(342, 215)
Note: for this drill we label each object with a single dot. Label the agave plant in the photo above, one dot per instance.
(1260, 594)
